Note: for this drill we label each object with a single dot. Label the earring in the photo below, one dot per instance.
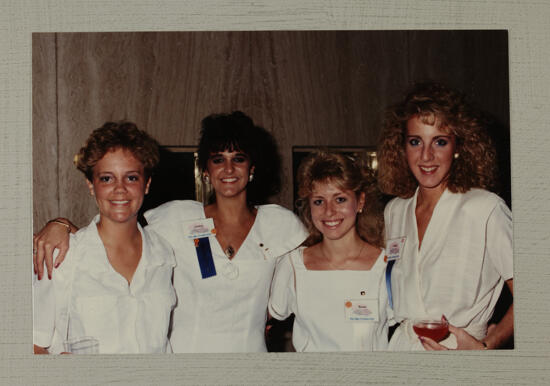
(456, 156)
(360, 210)
(206, 179)
(250, 177)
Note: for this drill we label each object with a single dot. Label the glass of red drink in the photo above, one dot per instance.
(435, 329)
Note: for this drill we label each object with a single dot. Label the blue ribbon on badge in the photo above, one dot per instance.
(204, 255)
(389, 267)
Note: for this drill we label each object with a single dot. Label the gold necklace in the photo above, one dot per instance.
(355, 258)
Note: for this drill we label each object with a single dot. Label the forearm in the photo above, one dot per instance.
(499, 335)
(502, 332)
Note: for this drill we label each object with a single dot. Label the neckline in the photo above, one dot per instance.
(429, 226)
(107, 264)
(219, 247)
(378, 261)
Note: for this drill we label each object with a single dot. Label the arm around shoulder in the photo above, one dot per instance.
(283, 228)
(54, 235)
(166, 218)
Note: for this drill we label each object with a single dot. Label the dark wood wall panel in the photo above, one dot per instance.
(475, 63)
(44, 133)
(307, 87)
(323, 88)
(197, 74)
(165, 82)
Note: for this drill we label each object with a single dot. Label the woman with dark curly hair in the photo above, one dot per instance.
(226, 251)
(334, 283)
(224, 279)
(452, 238)
(114, 293)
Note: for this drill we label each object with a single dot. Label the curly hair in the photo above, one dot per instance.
(435, 104)
(116, 135)
(237, 132)
(348, 173)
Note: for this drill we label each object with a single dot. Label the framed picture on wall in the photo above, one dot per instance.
(177, 177)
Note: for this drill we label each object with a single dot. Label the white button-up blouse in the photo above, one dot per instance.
(99, 302)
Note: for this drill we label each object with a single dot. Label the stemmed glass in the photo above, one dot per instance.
(434, 328)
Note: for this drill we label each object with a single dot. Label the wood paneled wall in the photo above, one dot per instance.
(45, 179)
(308, 88)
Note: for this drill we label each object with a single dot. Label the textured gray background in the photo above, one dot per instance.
(529, 32)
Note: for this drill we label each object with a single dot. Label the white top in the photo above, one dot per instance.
(226, 312)
(124, 318)
(465, 257)
(319, 299)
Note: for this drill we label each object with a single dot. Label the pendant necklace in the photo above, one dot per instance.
(230, 270)
(229, 251)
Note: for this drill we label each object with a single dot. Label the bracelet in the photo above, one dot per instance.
(61, 223)
(484, 345)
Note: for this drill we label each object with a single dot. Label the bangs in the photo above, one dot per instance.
(226, 144)
(336, 181)
(434, 119)
(326, 174)
(429, 118)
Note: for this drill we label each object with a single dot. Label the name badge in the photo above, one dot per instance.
(361, 310)
(197, 229)
(200, 230)
(394, 248)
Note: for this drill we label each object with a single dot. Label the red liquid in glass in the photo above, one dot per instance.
(436, 331)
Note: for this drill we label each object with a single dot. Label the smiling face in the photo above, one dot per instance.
(429, 152)
(119, 185)
(229, 172)
(334, 210)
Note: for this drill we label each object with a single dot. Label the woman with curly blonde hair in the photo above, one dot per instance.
(334, 283)
(453, 237)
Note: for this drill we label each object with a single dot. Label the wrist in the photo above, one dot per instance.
(60, 222)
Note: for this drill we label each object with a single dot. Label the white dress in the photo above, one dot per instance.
(465, 258)
(319, 299)
(124, 318)
(226, 312)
